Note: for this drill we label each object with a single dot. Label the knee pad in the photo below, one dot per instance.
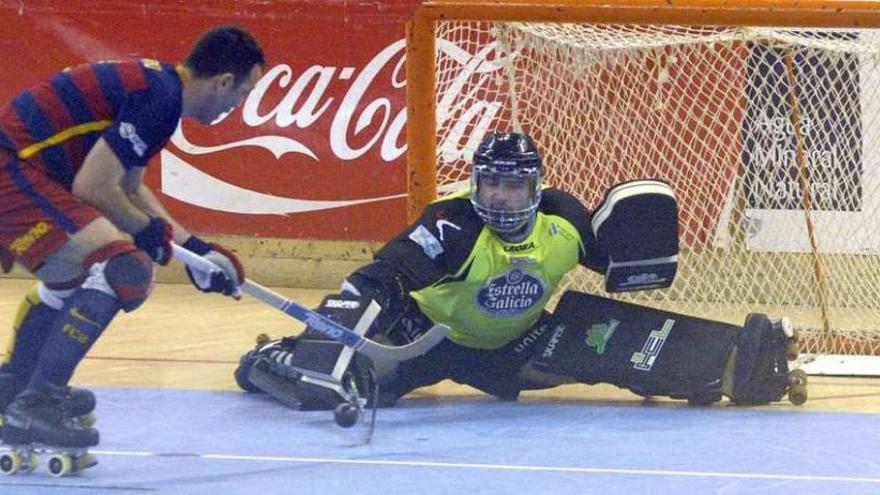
(760, 373)
(127, 276)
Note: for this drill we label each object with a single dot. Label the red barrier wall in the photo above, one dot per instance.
(318, 149)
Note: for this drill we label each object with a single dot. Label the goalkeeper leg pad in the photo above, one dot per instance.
(647, 351)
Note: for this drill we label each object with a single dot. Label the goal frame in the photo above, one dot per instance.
(421, 46)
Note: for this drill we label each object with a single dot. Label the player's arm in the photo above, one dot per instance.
(560, 203)
(100, 183)
(120, 194)
(142, 197)
(632, 237)
(414, 259)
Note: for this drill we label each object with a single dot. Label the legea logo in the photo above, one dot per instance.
(511, 294)
(376, 125)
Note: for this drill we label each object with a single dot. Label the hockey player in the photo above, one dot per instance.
(74, 212)
(485, 262)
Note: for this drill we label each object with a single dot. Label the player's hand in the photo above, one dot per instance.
(155, 240)
(225, 281)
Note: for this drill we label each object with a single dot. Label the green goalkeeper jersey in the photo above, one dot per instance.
(489, 291)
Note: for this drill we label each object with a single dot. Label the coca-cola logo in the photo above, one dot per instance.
(511, 294)
(357, 125)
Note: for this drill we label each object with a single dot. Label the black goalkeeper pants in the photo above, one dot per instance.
(495, 372)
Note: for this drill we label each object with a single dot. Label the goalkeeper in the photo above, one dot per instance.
(485, 262)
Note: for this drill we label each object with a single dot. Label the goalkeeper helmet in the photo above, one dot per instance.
(506, 181)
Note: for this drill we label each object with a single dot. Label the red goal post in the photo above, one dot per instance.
(747, 72)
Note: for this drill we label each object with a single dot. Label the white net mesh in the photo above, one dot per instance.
(749, 125)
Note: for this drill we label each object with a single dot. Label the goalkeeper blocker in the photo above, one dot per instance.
(637, 226)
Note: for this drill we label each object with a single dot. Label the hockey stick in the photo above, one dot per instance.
(322, 324)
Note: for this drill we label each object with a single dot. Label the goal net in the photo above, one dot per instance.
(770, 138)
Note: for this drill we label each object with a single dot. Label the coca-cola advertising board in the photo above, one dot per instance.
(317, 150)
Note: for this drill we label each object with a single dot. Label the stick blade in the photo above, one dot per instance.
(416, 348)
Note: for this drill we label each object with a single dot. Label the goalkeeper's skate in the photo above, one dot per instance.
(36, 426)
(78, 403)
(762, 372)
(797, 379)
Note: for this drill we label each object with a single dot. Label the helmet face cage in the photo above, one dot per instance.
(506, 181)
(511, 213)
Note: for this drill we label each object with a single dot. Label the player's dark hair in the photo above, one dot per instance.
(225, 49)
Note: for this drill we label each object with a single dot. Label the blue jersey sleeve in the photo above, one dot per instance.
(143, 125)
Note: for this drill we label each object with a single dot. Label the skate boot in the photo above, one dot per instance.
(761, 372)
(78, 404)
(36, 426)
(265, 348)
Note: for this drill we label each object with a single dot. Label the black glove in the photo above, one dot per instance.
(155, 240)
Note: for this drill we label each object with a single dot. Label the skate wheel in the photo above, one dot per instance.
(346, 415)
(10, 463)
(792, 351)
(60, 465)
(798, 377)
(797, 388)
(793, 346)
(797, 395)
(86, 421)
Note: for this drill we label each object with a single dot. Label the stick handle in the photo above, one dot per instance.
(277, 301)
(319, 322)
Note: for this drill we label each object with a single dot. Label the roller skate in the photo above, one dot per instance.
(797, 379)
(78, 404)
(761, 371)
(35, 426)
(265, 346)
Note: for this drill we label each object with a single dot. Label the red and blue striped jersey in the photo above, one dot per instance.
(134, 105)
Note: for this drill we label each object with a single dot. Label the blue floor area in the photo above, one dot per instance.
(194, 442)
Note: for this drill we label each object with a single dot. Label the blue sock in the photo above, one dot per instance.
(73, 332)
(29, 332)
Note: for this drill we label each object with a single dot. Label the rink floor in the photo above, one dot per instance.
(172, 421)
(194, 442)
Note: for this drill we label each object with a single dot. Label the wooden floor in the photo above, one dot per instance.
(182, 338)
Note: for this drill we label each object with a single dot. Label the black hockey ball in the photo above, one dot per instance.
(346, 415)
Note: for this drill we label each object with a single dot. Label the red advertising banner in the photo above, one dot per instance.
(318, 148)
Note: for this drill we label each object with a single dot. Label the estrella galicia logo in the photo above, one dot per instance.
(511, 293)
